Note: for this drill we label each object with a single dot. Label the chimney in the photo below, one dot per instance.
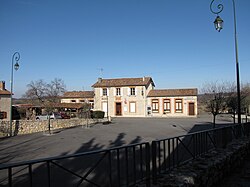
(2, 85)
(143, 78)
(99, 80)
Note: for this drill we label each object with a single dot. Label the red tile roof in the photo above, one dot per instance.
(67, 105)
(173, 92)
(78, 94)
(143, 81)
(53, 105)
(4, 92)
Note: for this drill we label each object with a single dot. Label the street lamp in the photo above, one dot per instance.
(15, 57)
(218, 23)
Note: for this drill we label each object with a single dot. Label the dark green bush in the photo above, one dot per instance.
(97, 114)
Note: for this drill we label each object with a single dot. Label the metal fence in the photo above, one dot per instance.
(120, 166)
(172, 152)
(129, 165)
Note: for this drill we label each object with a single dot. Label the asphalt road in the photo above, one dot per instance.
(120, 132)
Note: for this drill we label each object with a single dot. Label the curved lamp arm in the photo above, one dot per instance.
(218, 9)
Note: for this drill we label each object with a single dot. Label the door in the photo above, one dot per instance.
(191, 109)
(105, 108)
(118, 109)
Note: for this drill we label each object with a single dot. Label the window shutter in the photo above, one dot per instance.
(101, 92)
(121, 91)
(108, 91)
(135, 91)
(129, 91)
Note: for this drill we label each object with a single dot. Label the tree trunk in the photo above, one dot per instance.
(214, 120)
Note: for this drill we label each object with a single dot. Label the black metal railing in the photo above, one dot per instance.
(129, 165)
(171, 152)
(120, 166)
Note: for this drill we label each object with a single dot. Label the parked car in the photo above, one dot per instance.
(64, 116)
(54, 115)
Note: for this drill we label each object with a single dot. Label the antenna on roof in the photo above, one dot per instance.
(101, 71)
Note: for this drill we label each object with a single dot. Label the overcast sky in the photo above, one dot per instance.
(173, 41)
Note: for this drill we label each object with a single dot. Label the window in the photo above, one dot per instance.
(118, 91)
(104, 92)
(73, 101)
(91, 102)
(155, 105)
(132, 107)
(166, 105)
(91, 105)
(178, 105)
(82, 101)
(132, 91)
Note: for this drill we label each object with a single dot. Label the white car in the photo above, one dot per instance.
(52, 116)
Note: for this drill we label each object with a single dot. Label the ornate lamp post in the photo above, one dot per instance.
(15, 57)
(218, 23)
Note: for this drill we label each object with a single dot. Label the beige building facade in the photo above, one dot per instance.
(173, 102)
(125, 97)
(136, 97)
(78, 97)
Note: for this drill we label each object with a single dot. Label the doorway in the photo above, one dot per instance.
(118, 109)
(191, 109)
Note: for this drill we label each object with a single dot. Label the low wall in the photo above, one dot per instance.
(29, 126)
(209, 169)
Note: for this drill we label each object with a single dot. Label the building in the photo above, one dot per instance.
(78, 97)
(173, 102)
(136, 97)
(5, 97)
(123, 97)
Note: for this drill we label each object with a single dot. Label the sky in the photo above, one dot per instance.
(173, 41)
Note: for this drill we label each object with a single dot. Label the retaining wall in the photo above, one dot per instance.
(209, 169)
(29, 126)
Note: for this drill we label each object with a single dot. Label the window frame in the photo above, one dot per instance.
(167, 105)
(104, 92)
(178, 106)
(132, 91)
(155, 105)
(118, 91)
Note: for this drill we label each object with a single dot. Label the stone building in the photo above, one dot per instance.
(78, 97)
(173, 102)
(136, 97)
(123, 97)
(5, 96)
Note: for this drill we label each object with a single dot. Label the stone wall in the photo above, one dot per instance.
(29, 126)
(209, 169)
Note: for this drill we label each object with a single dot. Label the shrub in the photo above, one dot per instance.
(97, 114)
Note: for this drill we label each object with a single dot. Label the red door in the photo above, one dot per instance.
(118, 109)
(191, 109)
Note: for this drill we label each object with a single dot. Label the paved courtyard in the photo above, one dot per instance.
(121, 131)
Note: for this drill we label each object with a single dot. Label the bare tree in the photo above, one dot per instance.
(45, 94)
(245, 94)
(231, 99)
(215, 98)
(223, 96)
(55, 89)
(36, 91)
